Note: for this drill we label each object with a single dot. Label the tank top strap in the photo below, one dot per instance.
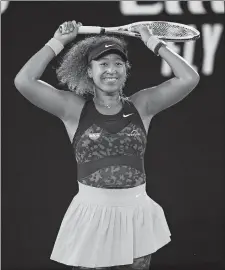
(85, 120)
(85, 110)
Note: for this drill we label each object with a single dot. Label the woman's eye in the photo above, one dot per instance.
(103, 64)
(119, 64)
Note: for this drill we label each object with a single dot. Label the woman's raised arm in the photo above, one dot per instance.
(168, 93)
(57, 102)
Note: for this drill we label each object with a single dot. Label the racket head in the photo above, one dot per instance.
(166, 30)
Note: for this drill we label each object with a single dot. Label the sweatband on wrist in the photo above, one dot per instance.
(158, 46)
(154, 44)
(55, 45)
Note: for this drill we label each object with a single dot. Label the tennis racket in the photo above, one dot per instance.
(164, 30)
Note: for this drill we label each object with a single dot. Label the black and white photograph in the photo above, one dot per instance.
(112, 135)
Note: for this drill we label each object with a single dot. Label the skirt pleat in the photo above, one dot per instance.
(105, 227)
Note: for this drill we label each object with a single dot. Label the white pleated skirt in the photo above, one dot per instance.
(109, 227)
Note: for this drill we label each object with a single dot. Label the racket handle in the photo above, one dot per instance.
(85, 30)
(90, 30)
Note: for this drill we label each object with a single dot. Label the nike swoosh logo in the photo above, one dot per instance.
(108, 46)
(126, 115)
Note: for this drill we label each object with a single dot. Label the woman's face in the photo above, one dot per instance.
(108, 73)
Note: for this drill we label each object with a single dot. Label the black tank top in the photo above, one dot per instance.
(109, 149)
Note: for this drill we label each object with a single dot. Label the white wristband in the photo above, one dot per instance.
(152, 43)
(55, 45)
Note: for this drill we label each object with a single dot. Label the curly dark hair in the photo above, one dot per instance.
(72, 70)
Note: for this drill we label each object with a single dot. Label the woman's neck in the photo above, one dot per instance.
(107, 100)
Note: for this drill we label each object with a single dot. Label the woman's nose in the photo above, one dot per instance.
(111, 69)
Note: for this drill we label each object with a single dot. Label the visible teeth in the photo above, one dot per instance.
(110, 79)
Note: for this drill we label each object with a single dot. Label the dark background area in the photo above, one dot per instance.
(184, 156)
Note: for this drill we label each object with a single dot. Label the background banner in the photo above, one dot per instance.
(185, 152)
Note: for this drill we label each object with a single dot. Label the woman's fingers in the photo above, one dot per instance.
(74, 23)
(145, 32)
(67, 31)
(70, 26)
(63, 27)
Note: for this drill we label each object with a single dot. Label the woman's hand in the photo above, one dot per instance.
(70, 32)
(145, 33)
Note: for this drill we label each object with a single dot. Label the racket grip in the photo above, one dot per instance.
(84, 29)
(90, 30)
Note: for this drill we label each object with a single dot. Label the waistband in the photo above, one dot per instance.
(112, 197)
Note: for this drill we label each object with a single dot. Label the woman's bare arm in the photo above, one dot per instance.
(63, 104)
(158, 98)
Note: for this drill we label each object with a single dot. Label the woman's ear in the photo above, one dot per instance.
(89, 71)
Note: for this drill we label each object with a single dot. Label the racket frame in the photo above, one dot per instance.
(126, 30)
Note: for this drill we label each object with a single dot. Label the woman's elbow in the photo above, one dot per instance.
(193, 79)
(196, 79)
(20, 82)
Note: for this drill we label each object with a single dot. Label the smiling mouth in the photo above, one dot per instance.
(110, 79)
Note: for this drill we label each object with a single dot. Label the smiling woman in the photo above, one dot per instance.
(111, 222)
(76, 69)
(115, 77)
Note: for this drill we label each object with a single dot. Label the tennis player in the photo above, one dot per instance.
(111, 223)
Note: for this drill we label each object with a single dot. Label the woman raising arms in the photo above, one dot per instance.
(111, 222)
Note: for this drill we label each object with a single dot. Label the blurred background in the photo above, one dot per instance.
(185, 152)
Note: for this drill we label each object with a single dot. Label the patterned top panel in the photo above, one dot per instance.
(96, 143)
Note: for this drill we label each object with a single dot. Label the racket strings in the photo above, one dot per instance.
(167, 30)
